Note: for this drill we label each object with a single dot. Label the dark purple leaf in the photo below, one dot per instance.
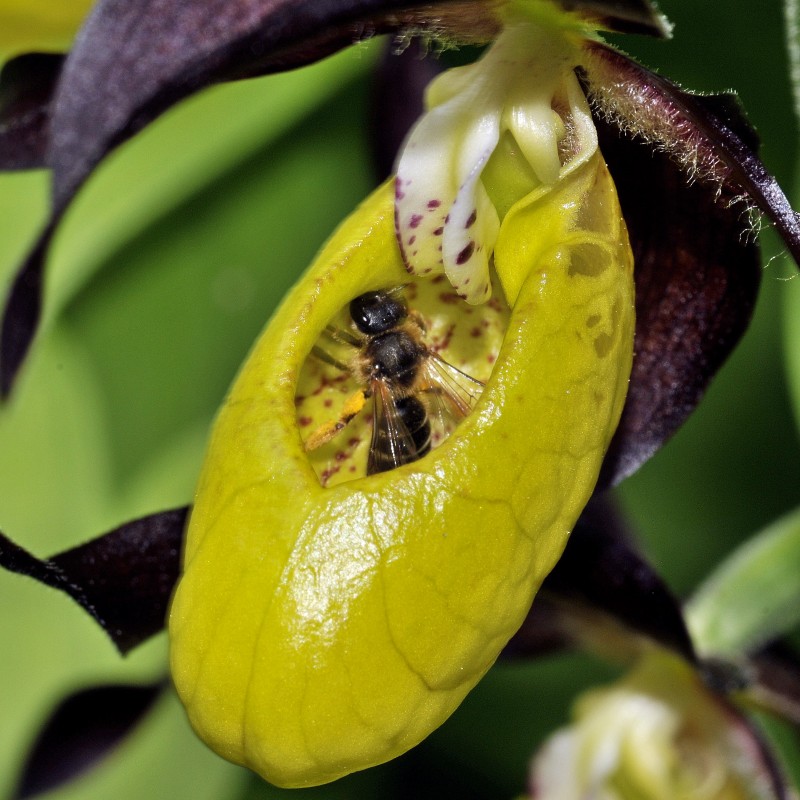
(83, 729)
(26, 88)
(23, 310)
(602, 587)
(697, 278)
(124, 579)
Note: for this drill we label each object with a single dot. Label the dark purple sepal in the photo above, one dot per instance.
(84, 728)
(708, 135)
(134, 59)
(602, 595)
(124, 578)
(624, 16)
(23, 310)
(27, 84)
(695, 252)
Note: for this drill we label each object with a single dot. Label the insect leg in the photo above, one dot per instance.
(327, 358)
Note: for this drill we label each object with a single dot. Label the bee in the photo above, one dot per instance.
(417, 396)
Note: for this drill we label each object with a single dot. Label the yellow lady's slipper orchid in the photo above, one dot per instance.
(318, 630)
(39, 25)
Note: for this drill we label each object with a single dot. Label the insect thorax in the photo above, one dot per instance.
(394, 357)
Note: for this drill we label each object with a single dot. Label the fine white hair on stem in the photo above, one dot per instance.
(642, 111)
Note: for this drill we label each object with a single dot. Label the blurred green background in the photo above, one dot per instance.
(164, 272)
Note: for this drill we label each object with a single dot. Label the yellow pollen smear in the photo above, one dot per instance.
(321, 630)
(326, 432)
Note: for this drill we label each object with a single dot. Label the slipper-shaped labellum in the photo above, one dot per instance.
(323, 627)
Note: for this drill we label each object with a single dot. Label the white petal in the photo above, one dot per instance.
(470, 233)
(440, 165)
(444, 219)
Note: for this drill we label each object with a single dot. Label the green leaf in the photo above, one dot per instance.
(753, 596)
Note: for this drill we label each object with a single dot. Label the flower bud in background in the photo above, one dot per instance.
(657, 734)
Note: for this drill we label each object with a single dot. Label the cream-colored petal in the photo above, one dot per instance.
(437, 181)
(469, 236)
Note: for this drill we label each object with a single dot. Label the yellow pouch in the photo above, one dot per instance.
(321, 630)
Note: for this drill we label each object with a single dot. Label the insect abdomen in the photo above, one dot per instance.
(413, 414)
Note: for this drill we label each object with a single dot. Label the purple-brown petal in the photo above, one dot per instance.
(707, 134)
(689, 179)
(124, 578)
(696, 275)
(27, 84)
(23, 309)
(136, 58)
(84, 728)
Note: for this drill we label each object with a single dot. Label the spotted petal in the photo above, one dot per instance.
(444, 219)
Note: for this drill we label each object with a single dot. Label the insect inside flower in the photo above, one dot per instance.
(316, 631)
(409, 362)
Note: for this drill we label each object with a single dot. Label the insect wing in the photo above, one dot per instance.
(392, 443)
(449, 393)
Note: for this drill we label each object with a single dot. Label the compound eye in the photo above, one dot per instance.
(377, 312)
